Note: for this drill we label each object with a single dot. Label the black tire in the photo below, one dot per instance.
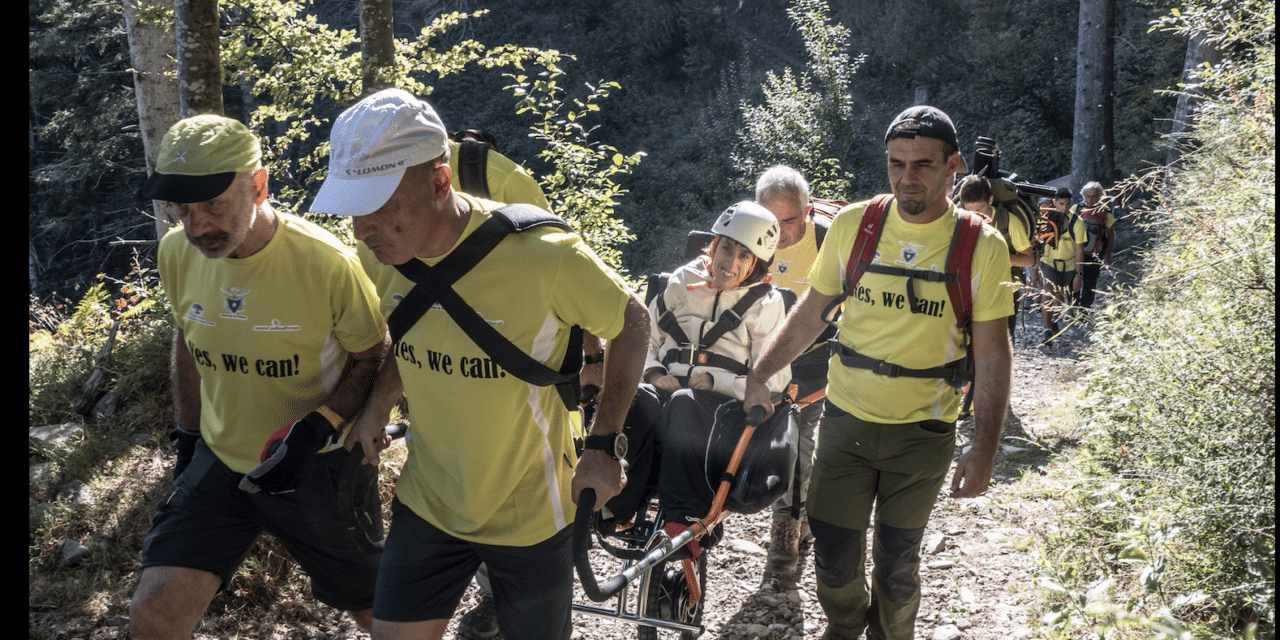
(668, 598)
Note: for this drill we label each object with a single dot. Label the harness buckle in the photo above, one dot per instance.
(887, 369)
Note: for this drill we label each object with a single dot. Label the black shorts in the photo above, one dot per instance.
(1057, 278)
(425, 572)
(206, 522)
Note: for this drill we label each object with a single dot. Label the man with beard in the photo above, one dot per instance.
(888, 427)
(277, 341)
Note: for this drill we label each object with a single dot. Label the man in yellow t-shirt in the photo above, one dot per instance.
(274, 325)
(506, 182)
(1061, 268)
(975, 195)
(887, 442)
(783, 191)
(492, 473)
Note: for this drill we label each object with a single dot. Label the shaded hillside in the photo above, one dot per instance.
(1004, 70)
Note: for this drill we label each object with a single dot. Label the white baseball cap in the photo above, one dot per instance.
(372, 144)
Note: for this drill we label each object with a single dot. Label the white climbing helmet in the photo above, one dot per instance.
(752, 226)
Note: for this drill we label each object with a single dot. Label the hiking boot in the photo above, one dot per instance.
(784, 549)
(806, 536)
(481, 622)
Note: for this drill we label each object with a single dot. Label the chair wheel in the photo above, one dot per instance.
(669, 597)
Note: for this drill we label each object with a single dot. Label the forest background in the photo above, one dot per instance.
(1166, 524)
(1003, 69)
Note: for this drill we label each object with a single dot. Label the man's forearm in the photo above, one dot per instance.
(623, 362)
(353, 390)
(801, 328)
(185, 379)
(992, 369)
(386, 392)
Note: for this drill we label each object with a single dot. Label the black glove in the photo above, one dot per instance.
(287, 453)
(185, 442)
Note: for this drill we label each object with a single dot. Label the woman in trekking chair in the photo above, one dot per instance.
(708, 326)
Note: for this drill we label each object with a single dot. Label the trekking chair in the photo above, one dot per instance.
(669, 594)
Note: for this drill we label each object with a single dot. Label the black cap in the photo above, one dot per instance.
(923, 121)
(1062, 193)
(181, 189)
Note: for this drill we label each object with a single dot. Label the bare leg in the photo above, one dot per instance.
(425, 630)
(363, 618)
(169, 601)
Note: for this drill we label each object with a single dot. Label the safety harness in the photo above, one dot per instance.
(698, 353)
(958, 278)
(435, 285)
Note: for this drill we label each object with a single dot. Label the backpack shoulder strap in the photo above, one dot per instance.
(522, 217)
(821, 224)
(821, 212)
(864, 246)
(473, 165)
(960, 262)
(667, 322)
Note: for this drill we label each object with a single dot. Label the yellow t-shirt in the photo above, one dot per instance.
(1064, 255)
(491, 457)
(270, 333)
(791, 266)
(878, 321)
(508, 182)
(1018, 235)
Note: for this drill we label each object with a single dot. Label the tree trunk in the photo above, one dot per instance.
(199, 61)
(33, 267)
(377, 39)
(1198, 53)
(1092, 149)
(155, 83)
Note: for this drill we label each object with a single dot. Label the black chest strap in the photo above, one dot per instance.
(435, 284)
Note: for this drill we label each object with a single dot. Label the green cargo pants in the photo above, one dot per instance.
(898, 469)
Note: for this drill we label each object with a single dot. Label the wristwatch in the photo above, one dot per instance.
(594, 358)
(614, 444)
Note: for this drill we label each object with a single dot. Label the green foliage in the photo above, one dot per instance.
(85, 156)
(63, 345)
(805, 121)
(581, 185)
(1181, 392)
(304, 72)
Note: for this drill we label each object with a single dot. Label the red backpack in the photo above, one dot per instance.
(958, 276)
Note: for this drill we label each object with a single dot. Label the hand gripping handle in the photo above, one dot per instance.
(582, 543)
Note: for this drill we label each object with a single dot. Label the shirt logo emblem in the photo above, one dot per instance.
(233, 302)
